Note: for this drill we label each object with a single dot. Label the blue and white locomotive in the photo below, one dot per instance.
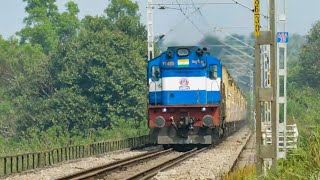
(192, 97)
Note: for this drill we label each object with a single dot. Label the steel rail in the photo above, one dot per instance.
(95, 171)
(165, 165)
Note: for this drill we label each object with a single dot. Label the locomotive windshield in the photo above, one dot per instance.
(213, 71)
(155, 73)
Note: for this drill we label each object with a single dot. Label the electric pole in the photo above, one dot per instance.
(266, 94)
(150, 30)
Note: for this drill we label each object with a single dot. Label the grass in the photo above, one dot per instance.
(245, 173)
(302, 163)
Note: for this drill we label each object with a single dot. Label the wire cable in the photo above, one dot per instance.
(198, 29)
(189, 18)
(251, 64)
(228, 34)
(233, 37)
(212, 3)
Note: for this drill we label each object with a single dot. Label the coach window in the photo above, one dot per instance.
(155, 73)
(213, 71)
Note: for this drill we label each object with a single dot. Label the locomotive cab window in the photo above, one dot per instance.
(155, 73)
(213, 71)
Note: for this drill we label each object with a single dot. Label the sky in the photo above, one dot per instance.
(227, 18)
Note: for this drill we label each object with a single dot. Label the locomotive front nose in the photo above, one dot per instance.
(207, 120)
(159, 122)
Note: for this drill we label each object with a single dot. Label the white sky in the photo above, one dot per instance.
(301, 14)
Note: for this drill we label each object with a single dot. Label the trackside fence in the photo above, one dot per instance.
(22, 162)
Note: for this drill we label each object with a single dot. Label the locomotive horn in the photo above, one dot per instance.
(199, 51)
(205, 50)
(169, 54)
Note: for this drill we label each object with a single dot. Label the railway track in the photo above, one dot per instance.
(148, 173)
(114, 166)
(212, 163)
(121, 167)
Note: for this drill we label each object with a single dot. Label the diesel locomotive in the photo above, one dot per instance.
(192, 98)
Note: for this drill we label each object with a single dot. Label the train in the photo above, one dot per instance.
(192, 98)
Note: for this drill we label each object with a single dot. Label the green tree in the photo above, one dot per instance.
(69, 79)
(23, 76)
(40, 22)
(67, 22)
(124, 16)
(102, 69)
(309, 59)
(105, 68)
(46, 26)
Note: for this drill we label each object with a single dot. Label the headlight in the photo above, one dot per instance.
(183, 52)
(207, 120)
(164, 110)
(159, 122)
(203, 109)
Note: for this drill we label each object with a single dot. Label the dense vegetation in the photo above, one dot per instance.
(67, 81)
(304, 108)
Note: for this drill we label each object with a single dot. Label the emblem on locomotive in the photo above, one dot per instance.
(184, 82)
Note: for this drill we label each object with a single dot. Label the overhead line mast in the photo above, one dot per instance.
(150, 30)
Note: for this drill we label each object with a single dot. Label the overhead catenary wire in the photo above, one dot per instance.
(240, 4)
(189, 18)
(180, 22)
(192, 4)
(230, 46)
(198, 29)
(233, 37)
(250, 63)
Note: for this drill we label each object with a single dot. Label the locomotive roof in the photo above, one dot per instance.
(180, 47)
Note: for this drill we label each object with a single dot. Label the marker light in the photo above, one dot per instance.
(203, 109)
(164, 110)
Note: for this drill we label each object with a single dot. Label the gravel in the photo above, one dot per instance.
(66, 168)
(211, 164)
(132, 170)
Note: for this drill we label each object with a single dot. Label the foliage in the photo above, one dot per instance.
(247, 173)
(304, 162)
(309, 62)
(46, 26)
(106, 70)
(22, 75)
(70, 81)
(303, 109)
(303, 106)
